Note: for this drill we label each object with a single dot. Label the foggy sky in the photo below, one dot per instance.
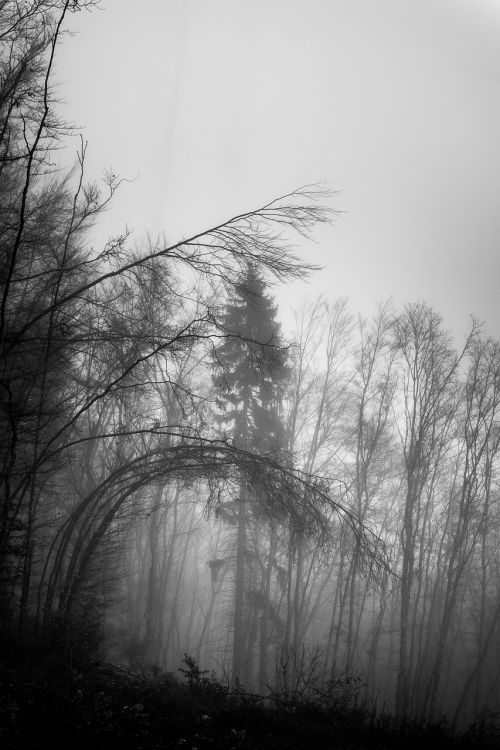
(217, 106)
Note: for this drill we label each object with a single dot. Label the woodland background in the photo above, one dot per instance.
(307, 517)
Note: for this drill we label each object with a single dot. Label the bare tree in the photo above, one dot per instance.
(429, 402)
(470, 498)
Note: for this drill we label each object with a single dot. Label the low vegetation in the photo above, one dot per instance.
(47, 702)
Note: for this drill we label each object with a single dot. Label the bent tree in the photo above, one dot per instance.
(89, 341)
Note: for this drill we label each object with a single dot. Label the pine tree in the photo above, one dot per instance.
(251, 367)
(250, 376)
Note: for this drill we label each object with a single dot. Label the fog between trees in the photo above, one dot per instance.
(302, 515)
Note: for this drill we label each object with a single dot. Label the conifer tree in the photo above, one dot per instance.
(250, 376)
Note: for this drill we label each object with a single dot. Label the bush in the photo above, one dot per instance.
(203, 683)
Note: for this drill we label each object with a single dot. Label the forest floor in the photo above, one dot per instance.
(105, 706)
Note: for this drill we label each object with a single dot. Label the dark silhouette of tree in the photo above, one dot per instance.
(250, 376)
(82, 331)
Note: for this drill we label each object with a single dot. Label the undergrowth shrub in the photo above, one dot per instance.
(202, 683)
(486, 730)
(108, 706)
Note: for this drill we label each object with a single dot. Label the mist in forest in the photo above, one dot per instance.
(387, 583)
(308, 514)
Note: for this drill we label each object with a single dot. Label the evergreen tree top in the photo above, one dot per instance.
(250, 365)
